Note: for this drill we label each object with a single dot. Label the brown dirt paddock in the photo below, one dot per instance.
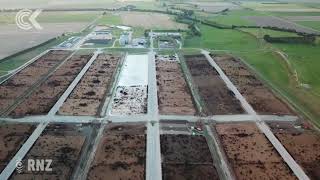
(121, 153)
(12, 137)
(174, 96)
(250, 153)
(88, 95)
(218, 99)
(302, 144)
(186, 157)
(268, 21)
(60, 142)
(258, 95)
(42, 100)
(150, 20)
(19, 83)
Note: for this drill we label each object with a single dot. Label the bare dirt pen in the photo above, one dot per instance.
(87, 97)
(60, 142)
(267, 21)
(258, 95)
(186, 157)
(42, 100)
(174, 96)
(150, 20)
(218, 99)
(18, 40)
(250, 153)
(302, 144)
(12, 137)
(121, 153)
(14, 87)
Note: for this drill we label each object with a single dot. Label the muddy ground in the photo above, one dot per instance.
(217, 98)
(12, 137)
(130, 100)
(121, 153)
(250, 153)
(303, 144)
(186, 157)
(62, 144)
(88, 95)
(23, 80)
(43, 99)
(174, 96)
(257, 94)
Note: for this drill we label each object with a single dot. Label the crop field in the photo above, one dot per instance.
(265, 21)
(19, 40)
(150, 20)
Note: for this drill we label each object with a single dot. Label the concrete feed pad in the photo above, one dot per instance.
(269, 21)
(217, 98)
(59, 145)
(12, 137)
(86, 98)
(120, 156)
(183, 154)
(188, 171)
(130, 100)
(173, 94)
(43, 99)
(258, 95)
(250, 153)
(134, 71)
(305, 149)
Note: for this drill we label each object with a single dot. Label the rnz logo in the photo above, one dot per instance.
(35, 165)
